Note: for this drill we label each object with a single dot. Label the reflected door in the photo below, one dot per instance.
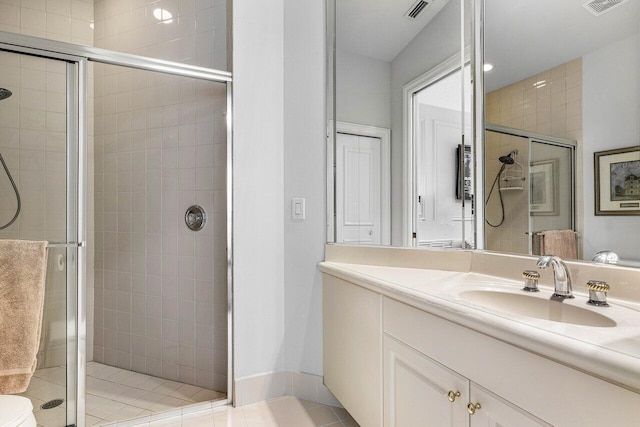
(358, 189)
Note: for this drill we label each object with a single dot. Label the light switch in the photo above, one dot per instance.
(297, 209)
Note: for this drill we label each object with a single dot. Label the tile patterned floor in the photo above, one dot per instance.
(281, 412)
(113, 394)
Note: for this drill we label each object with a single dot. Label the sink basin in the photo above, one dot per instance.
(539, 308)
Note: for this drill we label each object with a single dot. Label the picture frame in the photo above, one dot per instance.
(617, 181)
(543, 188)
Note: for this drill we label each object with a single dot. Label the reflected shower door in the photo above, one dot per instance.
(39, 143)
(551, 198)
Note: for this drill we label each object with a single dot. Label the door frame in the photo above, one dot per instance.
(410, 130)
(384, 135)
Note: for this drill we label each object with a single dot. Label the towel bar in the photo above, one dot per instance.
(66, 245)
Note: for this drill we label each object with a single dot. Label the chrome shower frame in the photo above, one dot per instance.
(77, 58)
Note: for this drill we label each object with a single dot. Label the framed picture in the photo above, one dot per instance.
(543, 182)
(617, 181)
(464, 182)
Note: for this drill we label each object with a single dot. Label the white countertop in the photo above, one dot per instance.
(611, 353)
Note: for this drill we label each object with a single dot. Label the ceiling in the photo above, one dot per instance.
(378, 28)
(522, 37)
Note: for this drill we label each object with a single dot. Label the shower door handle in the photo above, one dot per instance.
(67, 245)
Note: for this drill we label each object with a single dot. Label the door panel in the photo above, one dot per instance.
(496, 412)
(358, 188)
(416, 390)
(438, 212)
(39, 143)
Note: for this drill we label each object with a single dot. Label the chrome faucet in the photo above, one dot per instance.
(606, 257)
(561, 276)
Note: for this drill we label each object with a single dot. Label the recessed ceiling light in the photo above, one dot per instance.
(163, 16)
(488, 67)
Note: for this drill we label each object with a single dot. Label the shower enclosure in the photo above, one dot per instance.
(108, 151)
(529, 188)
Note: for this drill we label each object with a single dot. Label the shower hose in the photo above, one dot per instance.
(15, 189)
(497, 180)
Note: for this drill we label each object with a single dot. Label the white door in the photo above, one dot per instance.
(418, 391)
(358, 189)
(438, 212)
(496, 412)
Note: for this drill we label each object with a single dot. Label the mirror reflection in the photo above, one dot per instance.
(561, 141)
(400, 173)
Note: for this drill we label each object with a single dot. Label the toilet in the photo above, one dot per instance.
(16, 411)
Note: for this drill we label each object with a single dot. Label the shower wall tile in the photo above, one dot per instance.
(548, 103)
(33, 143)
(161, 280)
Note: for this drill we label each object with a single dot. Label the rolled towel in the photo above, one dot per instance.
(561, 243)
(23, 267)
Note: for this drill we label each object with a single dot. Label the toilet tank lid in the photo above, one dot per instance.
(14, 410)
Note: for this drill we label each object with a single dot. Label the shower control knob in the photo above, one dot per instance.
(531, 279)
(195, 218)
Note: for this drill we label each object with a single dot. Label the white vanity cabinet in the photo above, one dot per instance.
(419, 391)
(394, 364)
(353, 348)
(495, 411)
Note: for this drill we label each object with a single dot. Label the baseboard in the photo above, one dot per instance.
(257, 388)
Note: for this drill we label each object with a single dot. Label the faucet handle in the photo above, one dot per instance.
(598, 292)
(531, 280)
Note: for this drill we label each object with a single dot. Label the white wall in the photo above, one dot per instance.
(363, 90)
(258, 187)
(304, 165)
(610, 121)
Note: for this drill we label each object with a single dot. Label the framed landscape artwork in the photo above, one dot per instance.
(617, 181)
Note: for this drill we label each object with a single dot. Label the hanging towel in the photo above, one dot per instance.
(561, 243)
(23, 266)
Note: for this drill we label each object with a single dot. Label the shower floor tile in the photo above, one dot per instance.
(112, 394)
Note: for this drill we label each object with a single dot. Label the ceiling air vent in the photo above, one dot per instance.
(598, 7)
(417, 8)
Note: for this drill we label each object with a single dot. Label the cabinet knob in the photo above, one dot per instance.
(472, 408)
(452, 395)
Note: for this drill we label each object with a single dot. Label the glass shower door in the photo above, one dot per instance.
(39, 144)
(551, 199)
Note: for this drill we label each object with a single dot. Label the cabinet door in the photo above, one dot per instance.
(497, 412)
(353, 348)
(416, 390)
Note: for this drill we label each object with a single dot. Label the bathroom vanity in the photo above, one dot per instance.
(415, 337)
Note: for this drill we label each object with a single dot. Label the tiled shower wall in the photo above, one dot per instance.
(160, 148)
(32, 140)
(160, 287)
(33, 144)
(195, 34)
(549, 103)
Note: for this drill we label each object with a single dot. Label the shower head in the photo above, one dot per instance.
(507, 160)
(4, 93)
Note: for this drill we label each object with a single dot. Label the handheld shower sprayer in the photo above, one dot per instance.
(15, 190)
(505, 160)
(508, 159)
(4, 94)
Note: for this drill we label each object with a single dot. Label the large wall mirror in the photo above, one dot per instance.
(557, 161)
(562, 109)
(399, 172)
